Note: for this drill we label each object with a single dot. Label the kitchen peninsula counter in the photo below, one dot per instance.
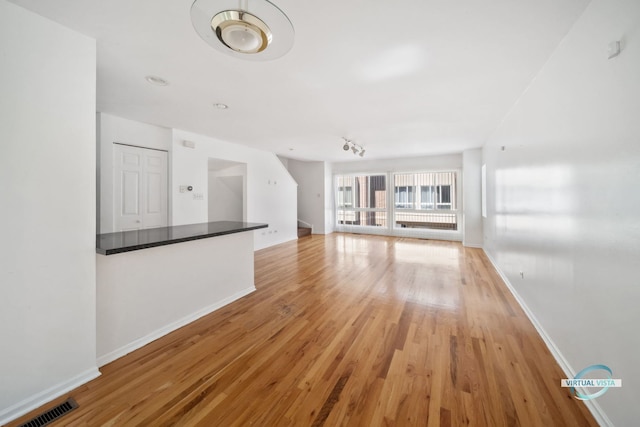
(153, 281)
(133, 240)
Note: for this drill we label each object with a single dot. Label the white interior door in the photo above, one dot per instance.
(140, 188)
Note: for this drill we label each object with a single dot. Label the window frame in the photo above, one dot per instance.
(359, 212)
(390, 220)
(444, 216)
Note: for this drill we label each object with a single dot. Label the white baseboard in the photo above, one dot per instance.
(158, 333)
(279, 242)
(592, 405)
(472, 245)
(45, 396)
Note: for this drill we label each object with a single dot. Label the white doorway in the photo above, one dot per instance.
(140, 188)
(227, 190)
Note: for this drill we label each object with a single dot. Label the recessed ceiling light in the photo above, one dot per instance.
(155, 80)
(221, 106)
(249, 29)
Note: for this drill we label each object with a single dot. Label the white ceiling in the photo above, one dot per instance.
(401, 78)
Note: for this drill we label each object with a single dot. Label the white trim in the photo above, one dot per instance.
(450, 236)
(158, 333)
(592, 405)
(483, 190)
(42, 398)
(472, 245)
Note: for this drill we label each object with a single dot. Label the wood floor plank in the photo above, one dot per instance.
(347, 330)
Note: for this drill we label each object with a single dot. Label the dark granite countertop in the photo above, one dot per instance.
(126, 241)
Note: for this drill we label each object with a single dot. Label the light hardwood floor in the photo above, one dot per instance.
(346, 330)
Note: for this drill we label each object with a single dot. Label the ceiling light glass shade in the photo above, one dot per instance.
(259, 31)
(354, 149)
(345, 147)
(241, 31)
(362, 153)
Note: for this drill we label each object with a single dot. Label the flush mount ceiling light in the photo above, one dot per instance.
(247, 29)
(220, 106)
(241, 31)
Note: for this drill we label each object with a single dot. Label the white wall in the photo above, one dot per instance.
(116, 129)
(138, 300)
(47, 191)
(271, 192)
(472, 198)
(226, 194)
(310, 177)
(413, 164)
(564, 205)
(283, 160)
(329, 203)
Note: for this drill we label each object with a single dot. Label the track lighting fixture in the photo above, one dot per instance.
(350, 145)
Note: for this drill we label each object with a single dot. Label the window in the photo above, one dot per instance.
(444, 196)
(404, 197)
(428, 209)
(361, 200)
(345, 196)
(435, 197)
(418, 201)
(427, 197)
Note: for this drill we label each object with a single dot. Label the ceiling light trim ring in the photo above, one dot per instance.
(277, 23)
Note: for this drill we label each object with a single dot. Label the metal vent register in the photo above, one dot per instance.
(52, 414)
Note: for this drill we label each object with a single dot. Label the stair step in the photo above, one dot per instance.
(304, 231)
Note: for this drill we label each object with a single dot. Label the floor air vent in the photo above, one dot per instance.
(52, 414)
